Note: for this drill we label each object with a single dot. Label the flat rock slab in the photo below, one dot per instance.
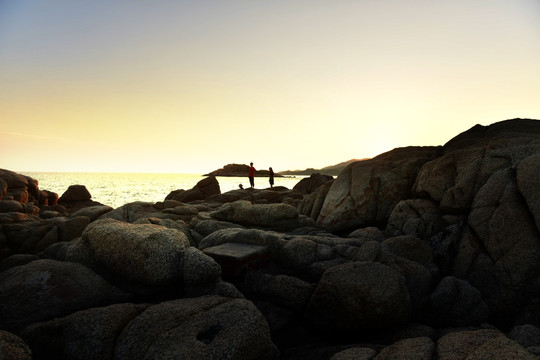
(235, 258)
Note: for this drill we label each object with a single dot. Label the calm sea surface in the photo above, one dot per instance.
(117, 189)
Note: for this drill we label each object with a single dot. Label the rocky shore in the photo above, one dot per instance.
(240, 170)
(418, 253)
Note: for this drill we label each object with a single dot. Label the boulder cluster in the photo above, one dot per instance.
(418, 253)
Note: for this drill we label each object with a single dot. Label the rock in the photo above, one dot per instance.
(456, 303)
(311, 204)
(44, 289)
(71, 228)
(75, 193)
(526, 335)
(24, 237)
(206, 227)
(368, 234)
(3, 188)
(365, 192)
(13, 347)
(193, 237)
(202, 190)
(86, 334)
(420, 348)
(132, 212)
(286, 291)
(17, 260)
(239, 170)
(410, 248)
(506, 234)
(359, 296)
(199, 268)
(528, 184)
(479, 344)
(235, 259)
(146, 254)
(416, 217)
(272, 216)
(355, 353)
(472, 157)
(197, 328)
(13, 180)
(460, 344)
(92, 212)
(312, 183)
(7, 206)
(270, 239)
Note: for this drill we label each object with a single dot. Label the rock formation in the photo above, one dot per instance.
(418, 253)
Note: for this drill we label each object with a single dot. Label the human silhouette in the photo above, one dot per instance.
(251, 175)
(271, 179)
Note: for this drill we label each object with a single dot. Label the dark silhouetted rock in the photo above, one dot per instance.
(359, 296)
(44, 289)
(202, 190)
(312, 183)
(75, 193)
(13, 347)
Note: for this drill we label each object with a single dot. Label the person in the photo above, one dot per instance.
(251, 175)
(271, 179)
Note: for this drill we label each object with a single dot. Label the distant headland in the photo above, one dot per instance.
(239, 170)
(332, 170)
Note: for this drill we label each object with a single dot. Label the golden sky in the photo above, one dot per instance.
(189, 86)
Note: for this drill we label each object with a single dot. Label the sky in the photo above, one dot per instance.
(190, 86)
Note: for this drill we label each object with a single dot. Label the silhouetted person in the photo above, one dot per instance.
(271, 179)
(251, 175)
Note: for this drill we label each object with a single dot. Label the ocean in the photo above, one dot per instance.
(117, 189)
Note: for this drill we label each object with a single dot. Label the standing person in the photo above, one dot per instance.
(251, 175)
(271, 179)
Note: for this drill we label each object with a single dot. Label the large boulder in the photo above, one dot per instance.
(420, 348)
(131, 212)
(270, 216)
(203, 189)
(75, 193)
(472, 157)
(83, 335)
(366, 192)
(312, 204)
(500, 253)
(197, 328)
(147, 254)
(455, 302)
(44, 289)
(359, 296)
(312, 183)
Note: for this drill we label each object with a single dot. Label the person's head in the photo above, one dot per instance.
(250, 164)
(270, 169)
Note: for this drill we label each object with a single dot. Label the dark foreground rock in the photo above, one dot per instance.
(420, 253)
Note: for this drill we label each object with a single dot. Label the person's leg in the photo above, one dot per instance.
(252, 181)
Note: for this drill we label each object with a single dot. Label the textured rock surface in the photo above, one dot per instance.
(365, 192)
(44, 289)
(356, 296)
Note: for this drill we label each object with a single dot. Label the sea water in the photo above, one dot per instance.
(117, 189)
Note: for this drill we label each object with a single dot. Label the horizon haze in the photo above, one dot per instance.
(188, 87)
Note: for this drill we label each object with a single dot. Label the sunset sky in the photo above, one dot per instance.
(189, 86)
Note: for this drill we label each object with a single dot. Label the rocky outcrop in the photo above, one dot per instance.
(366, 192)
(409, 246)
(202, 190)
(312, 183)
